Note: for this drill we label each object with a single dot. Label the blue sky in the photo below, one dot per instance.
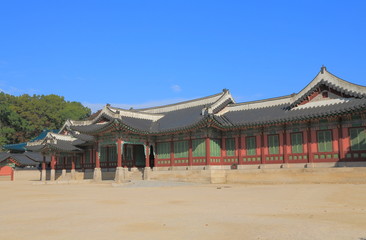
(144, 53)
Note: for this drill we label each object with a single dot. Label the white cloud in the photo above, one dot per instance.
(176, 88)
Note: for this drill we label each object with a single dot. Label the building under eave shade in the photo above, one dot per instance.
(323, 123)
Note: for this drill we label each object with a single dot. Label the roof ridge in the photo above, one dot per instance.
(179, 104)
(260, 101)
(327, 78)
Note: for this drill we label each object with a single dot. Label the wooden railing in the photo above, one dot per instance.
(251, 159)
(297, 157)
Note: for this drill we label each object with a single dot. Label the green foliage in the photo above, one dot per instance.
(24, 117)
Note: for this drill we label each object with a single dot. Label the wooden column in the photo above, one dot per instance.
(313, 145)
(236, 151)
(73, 162)
(119, 153)
(284, 146)
(263, 145)
(345, 142)
(207, 141)
(171, 153)
(53, 161)
(97, 161)
(335, 140)
(340, 142)
(44, 163)
(190, 152)
(82, 164)
(258, 142)
(240, 148)
(91, 156)
(223, 149)
(147, 160)
(156, 155)
(308, 144)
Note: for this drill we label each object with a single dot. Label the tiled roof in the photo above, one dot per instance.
(20, 147)
(21, 159)
(56, 142)
(226, 113)
(222, 109)
(282, 113)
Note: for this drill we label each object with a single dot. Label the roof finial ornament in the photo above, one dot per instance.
(225, 90)
(322, 69)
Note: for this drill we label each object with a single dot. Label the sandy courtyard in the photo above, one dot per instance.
(103, 211)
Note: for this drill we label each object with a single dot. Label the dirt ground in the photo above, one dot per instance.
(193, 211)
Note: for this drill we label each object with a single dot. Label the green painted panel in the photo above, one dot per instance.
(215, 147)
(230, 146)
(139, 155)
(273, 144)
(163, 150)
(358, 139)
(87, 156)
(108, 154)
(198, 148)
(325, 141)
(181, 149)
(251, 146)
(296, 143)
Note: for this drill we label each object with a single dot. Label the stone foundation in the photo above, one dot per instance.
(97, 176)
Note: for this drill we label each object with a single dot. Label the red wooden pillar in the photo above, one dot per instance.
(156, 155)
(308, 143)
(284, 146)
(335, 140)
(345, 142)
(190, 152)
(171, 153)
(237, 148)
(82, 160)
(119, 153)
(91, 156)
(73, 162)
(207, 141)
(264, 148)
(259, 145)
(147, 160)
(240, 149)
(223, 149)
(44, 163)
(97, 160)
(313, 144)
(53, 161)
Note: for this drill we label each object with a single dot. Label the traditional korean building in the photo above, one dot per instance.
(323, 123)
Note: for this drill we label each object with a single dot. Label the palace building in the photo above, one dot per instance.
(323, 123)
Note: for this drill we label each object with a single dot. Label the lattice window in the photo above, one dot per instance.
(163, 150)
(296, 143)
(325, 141)
(230, 147)
(251, 146)
(215, 147)
(273, 144)
(181, 149)
(198, 148)
(358, 139)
